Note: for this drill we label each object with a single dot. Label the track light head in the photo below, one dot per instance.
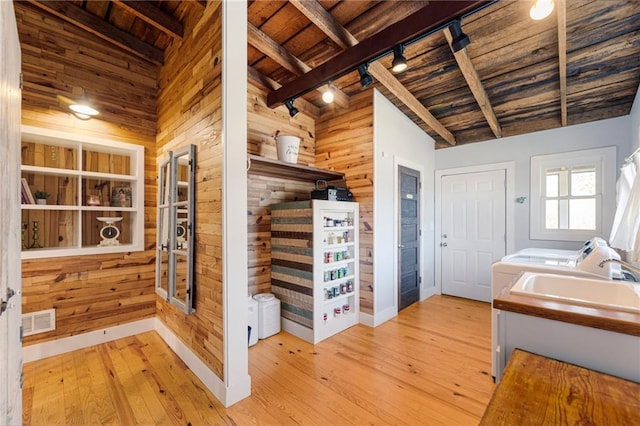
(292, 110)
(365, 77)
(328, 95)
(541, 9)
(399, 62)
(460, 39)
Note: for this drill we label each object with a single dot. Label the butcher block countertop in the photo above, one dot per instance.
(536, 390)
(605, 319)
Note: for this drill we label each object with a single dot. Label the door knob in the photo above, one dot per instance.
(443, 244)
(400, 245)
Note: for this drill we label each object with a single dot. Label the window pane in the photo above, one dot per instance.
(583, 183)
(551, 214)
(582, 214)
(552, 185)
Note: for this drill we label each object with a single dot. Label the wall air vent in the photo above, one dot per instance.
(38, 322)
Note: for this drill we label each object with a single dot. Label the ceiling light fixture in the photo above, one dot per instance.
(399, 62)
(460, 39)
(541, 9)
(328, 95)
(82, 109)
(365, 77)
(292, 110)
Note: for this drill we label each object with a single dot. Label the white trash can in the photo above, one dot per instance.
(253, 321)
(268, 314)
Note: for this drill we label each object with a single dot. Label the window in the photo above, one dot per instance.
(572, 193)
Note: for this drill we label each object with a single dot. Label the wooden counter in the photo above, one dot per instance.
(605, 319)
(536, 390)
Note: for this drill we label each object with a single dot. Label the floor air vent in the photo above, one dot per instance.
(38, 322)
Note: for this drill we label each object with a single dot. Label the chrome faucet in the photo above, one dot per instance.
(625, 265)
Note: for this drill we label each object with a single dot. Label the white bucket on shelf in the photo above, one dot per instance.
(288, 148)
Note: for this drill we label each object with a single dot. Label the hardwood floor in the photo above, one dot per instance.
(429, 365)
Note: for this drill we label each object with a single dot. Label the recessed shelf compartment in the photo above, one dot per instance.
(84, 178)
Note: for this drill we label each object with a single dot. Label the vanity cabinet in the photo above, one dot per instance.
(94, 195)
(612, 352)
(315, 266)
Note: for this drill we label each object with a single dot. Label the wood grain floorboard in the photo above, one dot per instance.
(430, 366)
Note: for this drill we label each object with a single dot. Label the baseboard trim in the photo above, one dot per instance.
(296, 329)
(226, 396)
(365, 319)
(427, 293)
(384, 316)
(43, 350)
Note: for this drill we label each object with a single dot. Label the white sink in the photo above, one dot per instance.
(622, 296)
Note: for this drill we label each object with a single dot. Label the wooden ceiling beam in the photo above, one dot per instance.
(262, 80)
(430, 17)
(154, 16)
(319, 16)
(97, 26)
(380, 73)
(269, 47)
(475, 84)
(562, 58)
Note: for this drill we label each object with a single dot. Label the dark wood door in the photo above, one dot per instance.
(409, 237)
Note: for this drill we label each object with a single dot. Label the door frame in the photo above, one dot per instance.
(509, 169)
(397, 162)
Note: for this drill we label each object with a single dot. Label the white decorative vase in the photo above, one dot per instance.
(288, 148)
(41, 201)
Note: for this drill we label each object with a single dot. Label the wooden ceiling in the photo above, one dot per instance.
(580, 64)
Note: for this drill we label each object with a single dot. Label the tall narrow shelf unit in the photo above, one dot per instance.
(315, 266)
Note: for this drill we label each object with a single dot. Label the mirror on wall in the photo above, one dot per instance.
(175, 226)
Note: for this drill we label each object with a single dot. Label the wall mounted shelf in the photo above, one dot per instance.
(258, 165)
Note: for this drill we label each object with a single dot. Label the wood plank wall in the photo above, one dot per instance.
(190, 112)
(262, 192)
(344, 142)
(89, 292)
(262, 125)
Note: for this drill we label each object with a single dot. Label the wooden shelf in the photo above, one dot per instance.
(268, 167)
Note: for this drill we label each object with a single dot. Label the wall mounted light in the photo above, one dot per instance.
(459, 39)
(83, 109)
(399, 62)
(541, 9)
(365, 77)
(328, 95)
(292, 110)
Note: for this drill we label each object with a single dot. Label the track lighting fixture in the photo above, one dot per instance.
(82, 109)
(365, 77)
(399, 62)
(292, 110)
(541, 9)
(328, 95)
(460, 39)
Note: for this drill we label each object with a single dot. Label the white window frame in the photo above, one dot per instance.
(604, 161)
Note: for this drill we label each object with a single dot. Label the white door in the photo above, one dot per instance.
(10, 284)
(473, 232)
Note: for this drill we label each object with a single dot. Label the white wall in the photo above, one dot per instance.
(397, 140)
(616, 131)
